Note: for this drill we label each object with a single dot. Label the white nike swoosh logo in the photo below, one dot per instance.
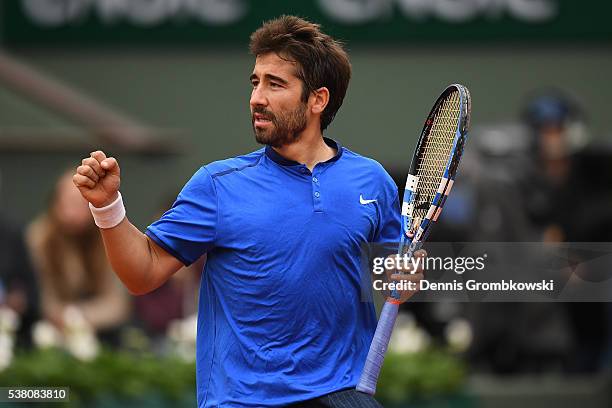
(362, 201)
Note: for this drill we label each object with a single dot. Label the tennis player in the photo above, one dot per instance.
(281, 321)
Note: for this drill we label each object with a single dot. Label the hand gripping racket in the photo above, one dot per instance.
(431, 176)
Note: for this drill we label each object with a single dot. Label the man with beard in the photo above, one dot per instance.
(281, 320)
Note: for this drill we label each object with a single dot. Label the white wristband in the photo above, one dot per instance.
(109, 216)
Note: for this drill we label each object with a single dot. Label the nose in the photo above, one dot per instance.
(258, 97)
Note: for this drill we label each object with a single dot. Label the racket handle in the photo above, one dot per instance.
(378, 348)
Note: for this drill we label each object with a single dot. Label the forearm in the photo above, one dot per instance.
(132, 257)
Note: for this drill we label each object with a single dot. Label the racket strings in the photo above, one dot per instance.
(435, 153)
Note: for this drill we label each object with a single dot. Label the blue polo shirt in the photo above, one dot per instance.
(281, 317)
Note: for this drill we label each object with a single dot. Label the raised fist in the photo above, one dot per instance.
(98, 179)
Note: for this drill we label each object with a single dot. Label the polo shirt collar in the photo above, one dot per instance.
(277, 158)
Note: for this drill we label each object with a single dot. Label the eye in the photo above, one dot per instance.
(254, 83)
(275, 85)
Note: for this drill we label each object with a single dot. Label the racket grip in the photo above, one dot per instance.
(378, 348)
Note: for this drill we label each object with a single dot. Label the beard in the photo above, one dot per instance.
(286, 127)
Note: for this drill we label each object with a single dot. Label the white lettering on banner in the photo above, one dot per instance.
(452, 11)
(225, 12)
(147, 12)
(357, 12)
(533, 10)
(53, 13)
(111, 10)
(456, 11)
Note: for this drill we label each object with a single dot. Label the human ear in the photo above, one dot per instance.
(318, 100)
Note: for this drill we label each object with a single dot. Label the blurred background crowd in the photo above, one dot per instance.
(163, 86)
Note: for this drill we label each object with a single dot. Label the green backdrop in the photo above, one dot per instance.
(205, 94)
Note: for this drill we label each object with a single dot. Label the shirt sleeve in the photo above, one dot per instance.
(188, 229)
(389, 219)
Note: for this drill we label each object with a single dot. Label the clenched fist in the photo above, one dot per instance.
(98, 179)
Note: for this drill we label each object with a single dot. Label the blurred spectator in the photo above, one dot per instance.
(176, 299)
(18, 289)
(548, 198)
(561, 205)
(69, 257)
(556, 187)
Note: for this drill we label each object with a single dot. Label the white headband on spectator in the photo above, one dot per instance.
(109, 216)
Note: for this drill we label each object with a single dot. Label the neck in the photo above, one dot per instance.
(309, 149)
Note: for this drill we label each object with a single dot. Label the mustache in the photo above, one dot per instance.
(263, 111)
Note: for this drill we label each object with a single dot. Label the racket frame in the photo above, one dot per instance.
(410, 243)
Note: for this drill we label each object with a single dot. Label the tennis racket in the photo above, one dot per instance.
(430, 179)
